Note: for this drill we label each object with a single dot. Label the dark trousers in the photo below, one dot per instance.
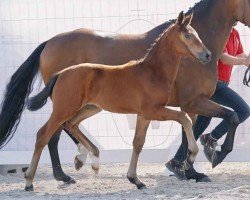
(224, 96)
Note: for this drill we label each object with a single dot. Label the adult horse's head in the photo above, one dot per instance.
(190, 43)
(242, 11)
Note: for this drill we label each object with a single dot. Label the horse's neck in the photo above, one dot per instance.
(213, 21)
(218, 24)
(163, 59)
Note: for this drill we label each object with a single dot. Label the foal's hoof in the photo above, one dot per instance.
(139, 186)
(177, 168)
(95, 169)
(78, 163)
(29, 188)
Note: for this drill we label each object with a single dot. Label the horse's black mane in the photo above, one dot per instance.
(203, 4)
(200, 6)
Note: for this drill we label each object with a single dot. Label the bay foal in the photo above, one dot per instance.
(142, 87)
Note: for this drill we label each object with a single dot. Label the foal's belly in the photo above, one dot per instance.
(117, 101)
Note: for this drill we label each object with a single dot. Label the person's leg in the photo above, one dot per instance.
(199, 127)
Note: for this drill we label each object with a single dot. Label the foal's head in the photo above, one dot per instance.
(187, 41)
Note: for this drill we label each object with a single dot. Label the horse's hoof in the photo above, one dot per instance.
(209, 145)
(191, 173)
(69, 180)
(217, 159)
(141, 186)
(29, 188)
(177, 169)
(78, 163)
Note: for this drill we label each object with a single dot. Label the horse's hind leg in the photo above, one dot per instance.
(139, 140)
(72, 126)
(56, 164)
(43, 137)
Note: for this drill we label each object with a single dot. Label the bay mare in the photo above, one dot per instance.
(191, 91)
(142, 87)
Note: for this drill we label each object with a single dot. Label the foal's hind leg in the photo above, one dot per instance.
(72, 126)
(86, 112)
(139, 140)
(43, 137)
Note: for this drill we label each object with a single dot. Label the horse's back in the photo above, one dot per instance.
(86, 46)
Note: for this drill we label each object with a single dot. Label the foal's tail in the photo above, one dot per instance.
(17, 91)
(38, 101)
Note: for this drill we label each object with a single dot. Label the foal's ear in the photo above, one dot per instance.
(180, 18)
(187, 20)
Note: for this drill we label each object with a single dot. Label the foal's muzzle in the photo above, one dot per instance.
(205, 57)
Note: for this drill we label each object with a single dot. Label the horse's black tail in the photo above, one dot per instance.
(246, 80)
(38, 101)
(17, 90)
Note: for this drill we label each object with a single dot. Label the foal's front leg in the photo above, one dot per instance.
(162, 114)
(139, 139)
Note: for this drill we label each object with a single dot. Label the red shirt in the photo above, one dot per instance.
(233, 48)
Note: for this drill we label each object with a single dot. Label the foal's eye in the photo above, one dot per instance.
(187, 36)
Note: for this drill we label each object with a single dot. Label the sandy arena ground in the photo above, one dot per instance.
(230, 181)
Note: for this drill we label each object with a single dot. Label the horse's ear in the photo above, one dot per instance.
(180, 18)
(187, 20)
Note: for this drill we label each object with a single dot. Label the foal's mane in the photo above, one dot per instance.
(154, 44)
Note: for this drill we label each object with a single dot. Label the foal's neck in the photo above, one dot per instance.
(163, 59)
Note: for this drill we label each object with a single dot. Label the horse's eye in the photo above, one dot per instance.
(187, 36)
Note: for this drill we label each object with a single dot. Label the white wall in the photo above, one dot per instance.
(26, 23)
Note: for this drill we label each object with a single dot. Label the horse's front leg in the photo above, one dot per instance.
(204, 106)
(139, 140)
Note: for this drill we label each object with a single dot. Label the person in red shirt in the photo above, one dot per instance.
(233, 54)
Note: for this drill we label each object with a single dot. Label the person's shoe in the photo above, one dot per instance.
(191, 173)
(177, 168)
(209, 144)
